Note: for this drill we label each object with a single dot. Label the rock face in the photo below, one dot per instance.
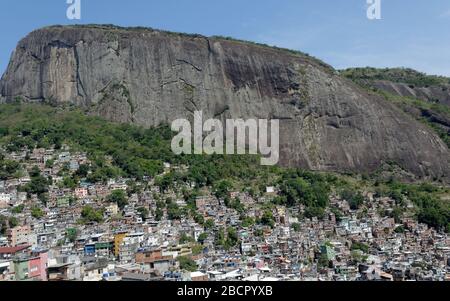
(434, 94)
(150, 77)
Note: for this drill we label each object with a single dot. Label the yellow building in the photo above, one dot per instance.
(118, 239)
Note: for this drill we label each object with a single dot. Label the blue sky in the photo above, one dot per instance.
(412, 33)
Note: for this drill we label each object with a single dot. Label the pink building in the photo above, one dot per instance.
(81, 192)
(37, 266)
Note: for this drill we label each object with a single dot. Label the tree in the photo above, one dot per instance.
(119, 197)
(37, 212)
(72, 234)
(209, 224)
(358, 256)
(159, 214)
(143, 212)
(3, 224)
(433, 217)
(69, 182)
(232, 238)
(38, 185)
(259, 232)
(185, 239)
(219, 239)
(397, 214)
(13, 222)
(221, 189)
(133, 188)
(323, 261)
(296, 227)
(90, 215)
(202, 237)
(43, 198)
(35, 172)
(18, 209)
(173, 211)
(198, 218)
(247, 222)
(237, 205)
(165, 182)
(268, 219)
(187, 264)
(8, 168)
(360, 246)
(197, 249)
(311, 212)
(400, 229)
(49, 163)
(354, 199)
(83, 170)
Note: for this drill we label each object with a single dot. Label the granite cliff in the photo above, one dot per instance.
(149, 77)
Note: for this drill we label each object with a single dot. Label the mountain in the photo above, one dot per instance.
(404, 82)
(424, 97)
(150, 77)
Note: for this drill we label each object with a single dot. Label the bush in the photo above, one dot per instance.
(354, 199)
(90, 215)
(267, 219)
(360, 246)
(311, 212)
(37, 212)
(187, 264)
(119, 197)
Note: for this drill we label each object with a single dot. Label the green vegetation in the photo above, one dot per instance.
(311, 212)
(197, 249)
(358, 256)
(430, 207)
(209, 224)
(360, 246)
(135, 151)
(90, 215)
(7, 223)
(428, 112)
(232, 238)
(433, 114)
(354, 199)
(143, 212)
(7, 168)
(397, 75)
(130, 151)
(72, 234)
(247, 222)
(187, 264)
(119, 197)
(228, 241)
(202, 237)
(267, 219)
(323, 261)
(18, 209)
(13, 222)
(400, 229)
(186, 239)
(173, 211)
(37, 212)
(296, 227)
(3, 224)
(298, 187)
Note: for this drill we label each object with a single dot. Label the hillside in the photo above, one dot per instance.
(404, 82)
(121, 150)
(424, 97)
(149, 77)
